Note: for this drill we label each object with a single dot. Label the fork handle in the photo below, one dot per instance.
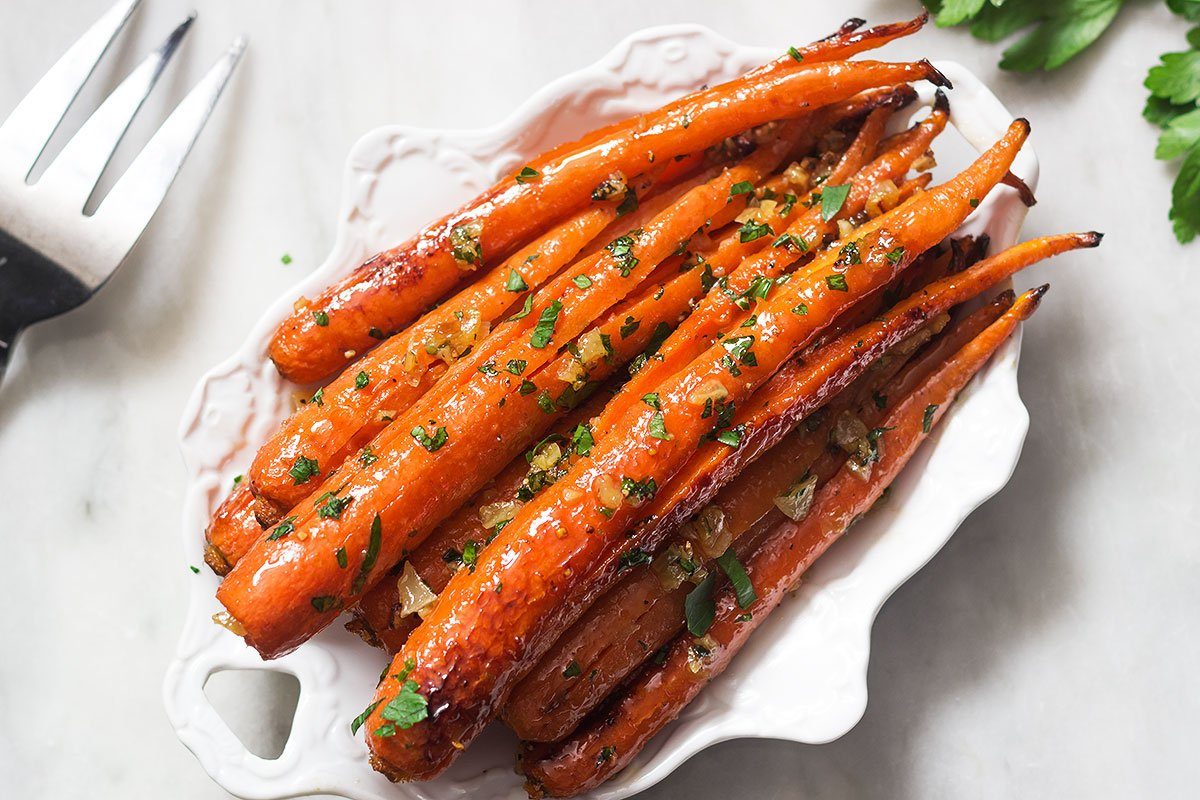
(32, 288)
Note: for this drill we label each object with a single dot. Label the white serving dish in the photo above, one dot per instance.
(813, 651)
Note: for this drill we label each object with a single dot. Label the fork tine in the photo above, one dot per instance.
(31, 124)
(133, 200)
(75, 171)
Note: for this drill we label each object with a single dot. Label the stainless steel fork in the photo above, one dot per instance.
(53, 257)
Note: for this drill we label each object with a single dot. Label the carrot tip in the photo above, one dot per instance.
(1092, 238)
(934, 75)
(1039, 292)
(1024, 123)
(1007, 297)
(941, 103)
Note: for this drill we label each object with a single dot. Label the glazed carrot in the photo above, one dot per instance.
(786, 399)
(551, 699)
(614, 737)
(377, 618)
(394, 287)
(458, 435)
(843, 44)
(562, 549)
(344, 416)
(717, 311)
(232, 530)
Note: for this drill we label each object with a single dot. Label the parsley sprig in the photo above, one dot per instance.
(1055, 31)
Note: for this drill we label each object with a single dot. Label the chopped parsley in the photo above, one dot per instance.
(544, 330)
(516, 365)
(699, 607)
(361, 718)
(752, 230)
(658, 427)
(832, 200)
(304, 470)
(515, 282)
(632, 558)
(582, 440)
(370, 556)
(792, 242)
(321, 318)
(795, 54)
(622, 251)
(741, 187)
(582, 281)
(361, 380)
(525, 309)
(465, 247)
(367, 457)
(285, 526)
(573, 670)
(837, 282)
(527, 174)
(728, 561)
(895, 255)
(927, 418)
(629, 327)
(330, 506)
(325, 602)
(430, 443)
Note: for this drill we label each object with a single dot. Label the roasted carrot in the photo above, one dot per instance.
(344, 416)
(843, 44)
(232, 530)
(455, 543)
(549, 701)
(796, 243)
(562, 548)
(394, 287)
(786, 399)
(618, 733)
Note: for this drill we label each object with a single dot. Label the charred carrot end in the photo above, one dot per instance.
(615, 735)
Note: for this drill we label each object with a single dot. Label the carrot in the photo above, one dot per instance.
(549, 701)
(787, 398)
(449, 444)
(392, 289)
(377, 618)
(614, 737)
(344, 416)
(232, 530)
(561, 549)
(843, 44)
(717, 311)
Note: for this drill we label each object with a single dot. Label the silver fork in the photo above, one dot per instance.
(53, 257)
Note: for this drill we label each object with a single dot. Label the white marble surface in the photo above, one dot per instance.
(1050, 650)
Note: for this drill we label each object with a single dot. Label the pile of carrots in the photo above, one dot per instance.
(576, 440)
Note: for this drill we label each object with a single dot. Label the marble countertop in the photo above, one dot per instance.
(1049, 650)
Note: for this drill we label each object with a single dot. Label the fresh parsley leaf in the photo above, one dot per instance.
(1179, 136)
(699, 608)
(1185, 198)
(728, 561)
(1177, 78)
(361, 718)
(582, 281)
(832, 200)
(527, 174)
(430, 443)
(407, 708)
(515, 282)
(544, 330)
(573, 670)
(752, 230)
(303, 470)
(927, 417)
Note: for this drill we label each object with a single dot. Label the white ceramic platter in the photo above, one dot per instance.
(812, 652)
